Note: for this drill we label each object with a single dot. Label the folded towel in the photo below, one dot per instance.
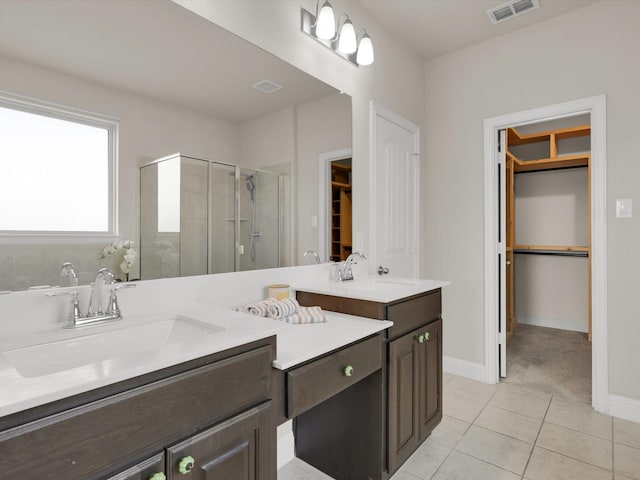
(283, 308)
(306, 315)
(288, 310)
(259, 309)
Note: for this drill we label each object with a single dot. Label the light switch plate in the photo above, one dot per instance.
(624, 207)
(314, 221)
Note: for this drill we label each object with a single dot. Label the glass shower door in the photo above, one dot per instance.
(222, 218)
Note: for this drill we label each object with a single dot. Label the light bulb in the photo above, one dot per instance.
(365, 51)
(347, 43)
(326, 23)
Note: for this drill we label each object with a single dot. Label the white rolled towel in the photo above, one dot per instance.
(307, 315)
(259, 309)
(283, 308)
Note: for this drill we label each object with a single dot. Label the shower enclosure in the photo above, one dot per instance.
(199, 216)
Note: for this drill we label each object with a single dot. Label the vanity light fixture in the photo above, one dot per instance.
(347, 36)
(341, 40)
(365, 50)
(326, 24)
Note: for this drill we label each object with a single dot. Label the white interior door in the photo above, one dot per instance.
(395, 209)
(502, 252)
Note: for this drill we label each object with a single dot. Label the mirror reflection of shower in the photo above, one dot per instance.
(200, 216)
(254, 231)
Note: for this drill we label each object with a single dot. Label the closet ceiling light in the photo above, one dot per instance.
(322, 28)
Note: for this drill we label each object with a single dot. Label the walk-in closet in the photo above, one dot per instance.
(548, 256)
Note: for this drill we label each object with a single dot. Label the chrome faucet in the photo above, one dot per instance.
(104, 277)
(344, 269)
(314, 254)
(68, 270)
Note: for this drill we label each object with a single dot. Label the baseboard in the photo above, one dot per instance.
(572, 325)
(624, 407)
(464, 368)
(286, 444)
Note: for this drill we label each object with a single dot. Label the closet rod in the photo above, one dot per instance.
(522, 172)
(561, 253)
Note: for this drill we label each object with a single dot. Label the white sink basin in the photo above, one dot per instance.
(90, 345)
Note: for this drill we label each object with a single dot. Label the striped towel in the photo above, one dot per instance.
(283, 308)
(259, 309)
(307, 315)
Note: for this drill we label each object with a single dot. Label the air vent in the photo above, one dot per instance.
(267, 86)
(511, 9)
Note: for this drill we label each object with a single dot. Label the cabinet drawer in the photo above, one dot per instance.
(411, 314)
(311, 384)
(143, 470)
(92, 440)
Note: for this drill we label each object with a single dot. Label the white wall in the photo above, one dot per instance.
(395, 80)
(581, 54)
(149, 129)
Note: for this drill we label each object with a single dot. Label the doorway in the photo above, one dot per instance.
(340, 210)
(548, 327)
(335, 212)
(496, 245)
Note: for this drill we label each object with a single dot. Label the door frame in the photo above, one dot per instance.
(324, 176)
(596, 106)
(377, 110)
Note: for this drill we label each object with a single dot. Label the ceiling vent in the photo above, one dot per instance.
(511, 9)
(267, 86)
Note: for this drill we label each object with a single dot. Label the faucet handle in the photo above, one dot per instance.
(76, 314)
(118, 286)
(113, 308)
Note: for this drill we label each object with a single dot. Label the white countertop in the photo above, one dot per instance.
(301, 343)
(27, 381)
(376, 289)
(40, 362)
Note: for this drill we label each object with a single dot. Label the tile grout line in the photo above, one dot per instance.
(472, 456)
(613, 449)
(461, 436)
(537, 436)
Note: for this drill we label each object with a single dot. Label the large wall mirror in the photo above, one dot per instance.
(177, 84)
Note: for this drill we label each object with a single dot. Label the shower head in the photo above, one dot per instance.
(251, 186)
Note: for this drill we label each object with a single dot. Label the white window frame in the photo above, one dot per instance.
(61, 112)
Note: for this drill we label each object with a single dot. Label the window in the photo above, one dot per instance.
(57, 170)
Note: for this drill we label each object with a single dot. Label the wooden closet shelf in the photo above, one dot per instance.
(515, 138)
(567, 251)
(340, 184)
(565, 161)
(344, 168)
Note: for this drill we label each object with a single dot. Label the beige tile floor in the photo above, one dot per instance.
(506, 432)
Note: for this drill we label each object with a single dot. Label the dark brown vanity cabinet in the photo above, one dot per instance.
(414, 400)
(207, 418)
(234, 449)
(412, 368)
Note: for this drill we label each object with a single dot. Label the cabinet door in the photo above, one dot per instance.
(241, 448)
(144, 470)
(403, 434)
(430, 383)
